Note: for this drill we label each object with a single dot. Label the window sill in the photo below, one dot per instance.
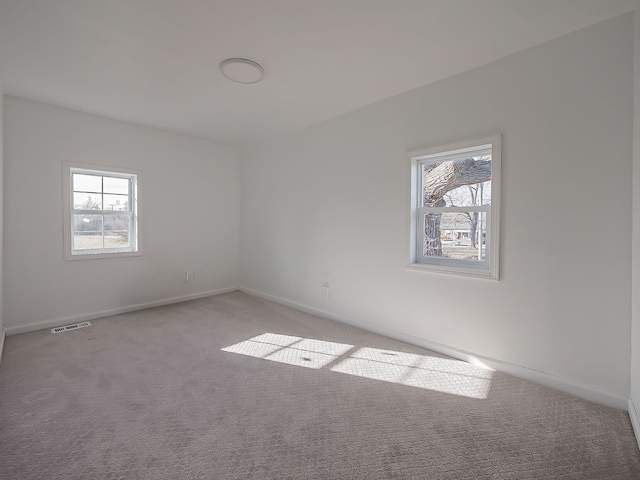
(466, 272)
(96, 256)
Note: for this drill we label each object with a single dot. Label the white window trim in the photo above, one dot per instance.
(68, 225)
(490, 268)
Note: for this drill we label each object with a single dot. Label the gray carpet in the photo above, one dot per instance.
(234, 387)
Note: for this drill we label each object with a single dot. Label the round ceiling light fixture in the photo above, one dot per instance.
(242, 70)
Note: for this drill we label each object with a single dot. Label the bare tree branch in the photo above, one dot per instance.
(450, 175)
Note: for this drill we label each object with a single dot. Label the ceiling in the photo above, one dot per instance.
(155, 62)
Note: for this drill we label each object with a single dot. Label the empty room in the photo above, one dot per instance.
(341, 239)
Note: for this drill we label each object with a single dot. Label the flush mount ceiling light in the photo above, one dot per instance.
(242, 70)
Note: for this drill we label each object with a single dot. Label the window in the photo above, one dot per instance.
(101, 212)
(455, 194)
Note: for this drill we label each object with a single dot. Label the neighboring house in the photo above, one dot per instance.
(456, 227)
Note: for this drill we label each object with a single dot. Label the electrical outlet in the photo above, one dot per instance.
(189, 276)
(326, 291)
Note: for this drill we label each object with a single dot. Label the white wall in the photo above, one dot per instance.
(634, 404)
(1, 212)
(190, 194)
(330, 203)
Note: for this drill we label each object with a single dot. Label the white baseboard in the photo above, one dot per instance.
(635, 421)
(57, 322)
(586, 391)
(2, 337)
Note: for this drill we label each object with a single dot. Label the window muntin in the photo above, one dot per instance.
(455, 208)
(103, 216)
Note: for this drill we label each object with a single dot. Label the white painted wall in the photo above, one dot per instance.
(1, 212)
(330, 203)
(634, 404)
(190, 191)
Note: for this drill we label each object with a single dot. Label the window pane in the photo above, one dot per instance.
(87, 183)
(102, 212)
(87, 201)
(116, 185)
(469, 195)
(116, 239)
(87, 223)
(460, 236)
(116, 202)
(458, 181)
(117, 222)
(87, 240)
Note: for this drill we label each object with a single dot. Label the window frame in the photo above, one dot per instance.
(135, 230)
(489, 267)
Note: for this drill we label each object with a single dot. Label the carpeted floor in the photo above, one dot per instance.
(234, 387)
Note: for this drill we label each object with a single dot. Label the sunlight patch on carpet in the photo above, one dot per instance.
(432, 373)
(422, 371)
(298, 351)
